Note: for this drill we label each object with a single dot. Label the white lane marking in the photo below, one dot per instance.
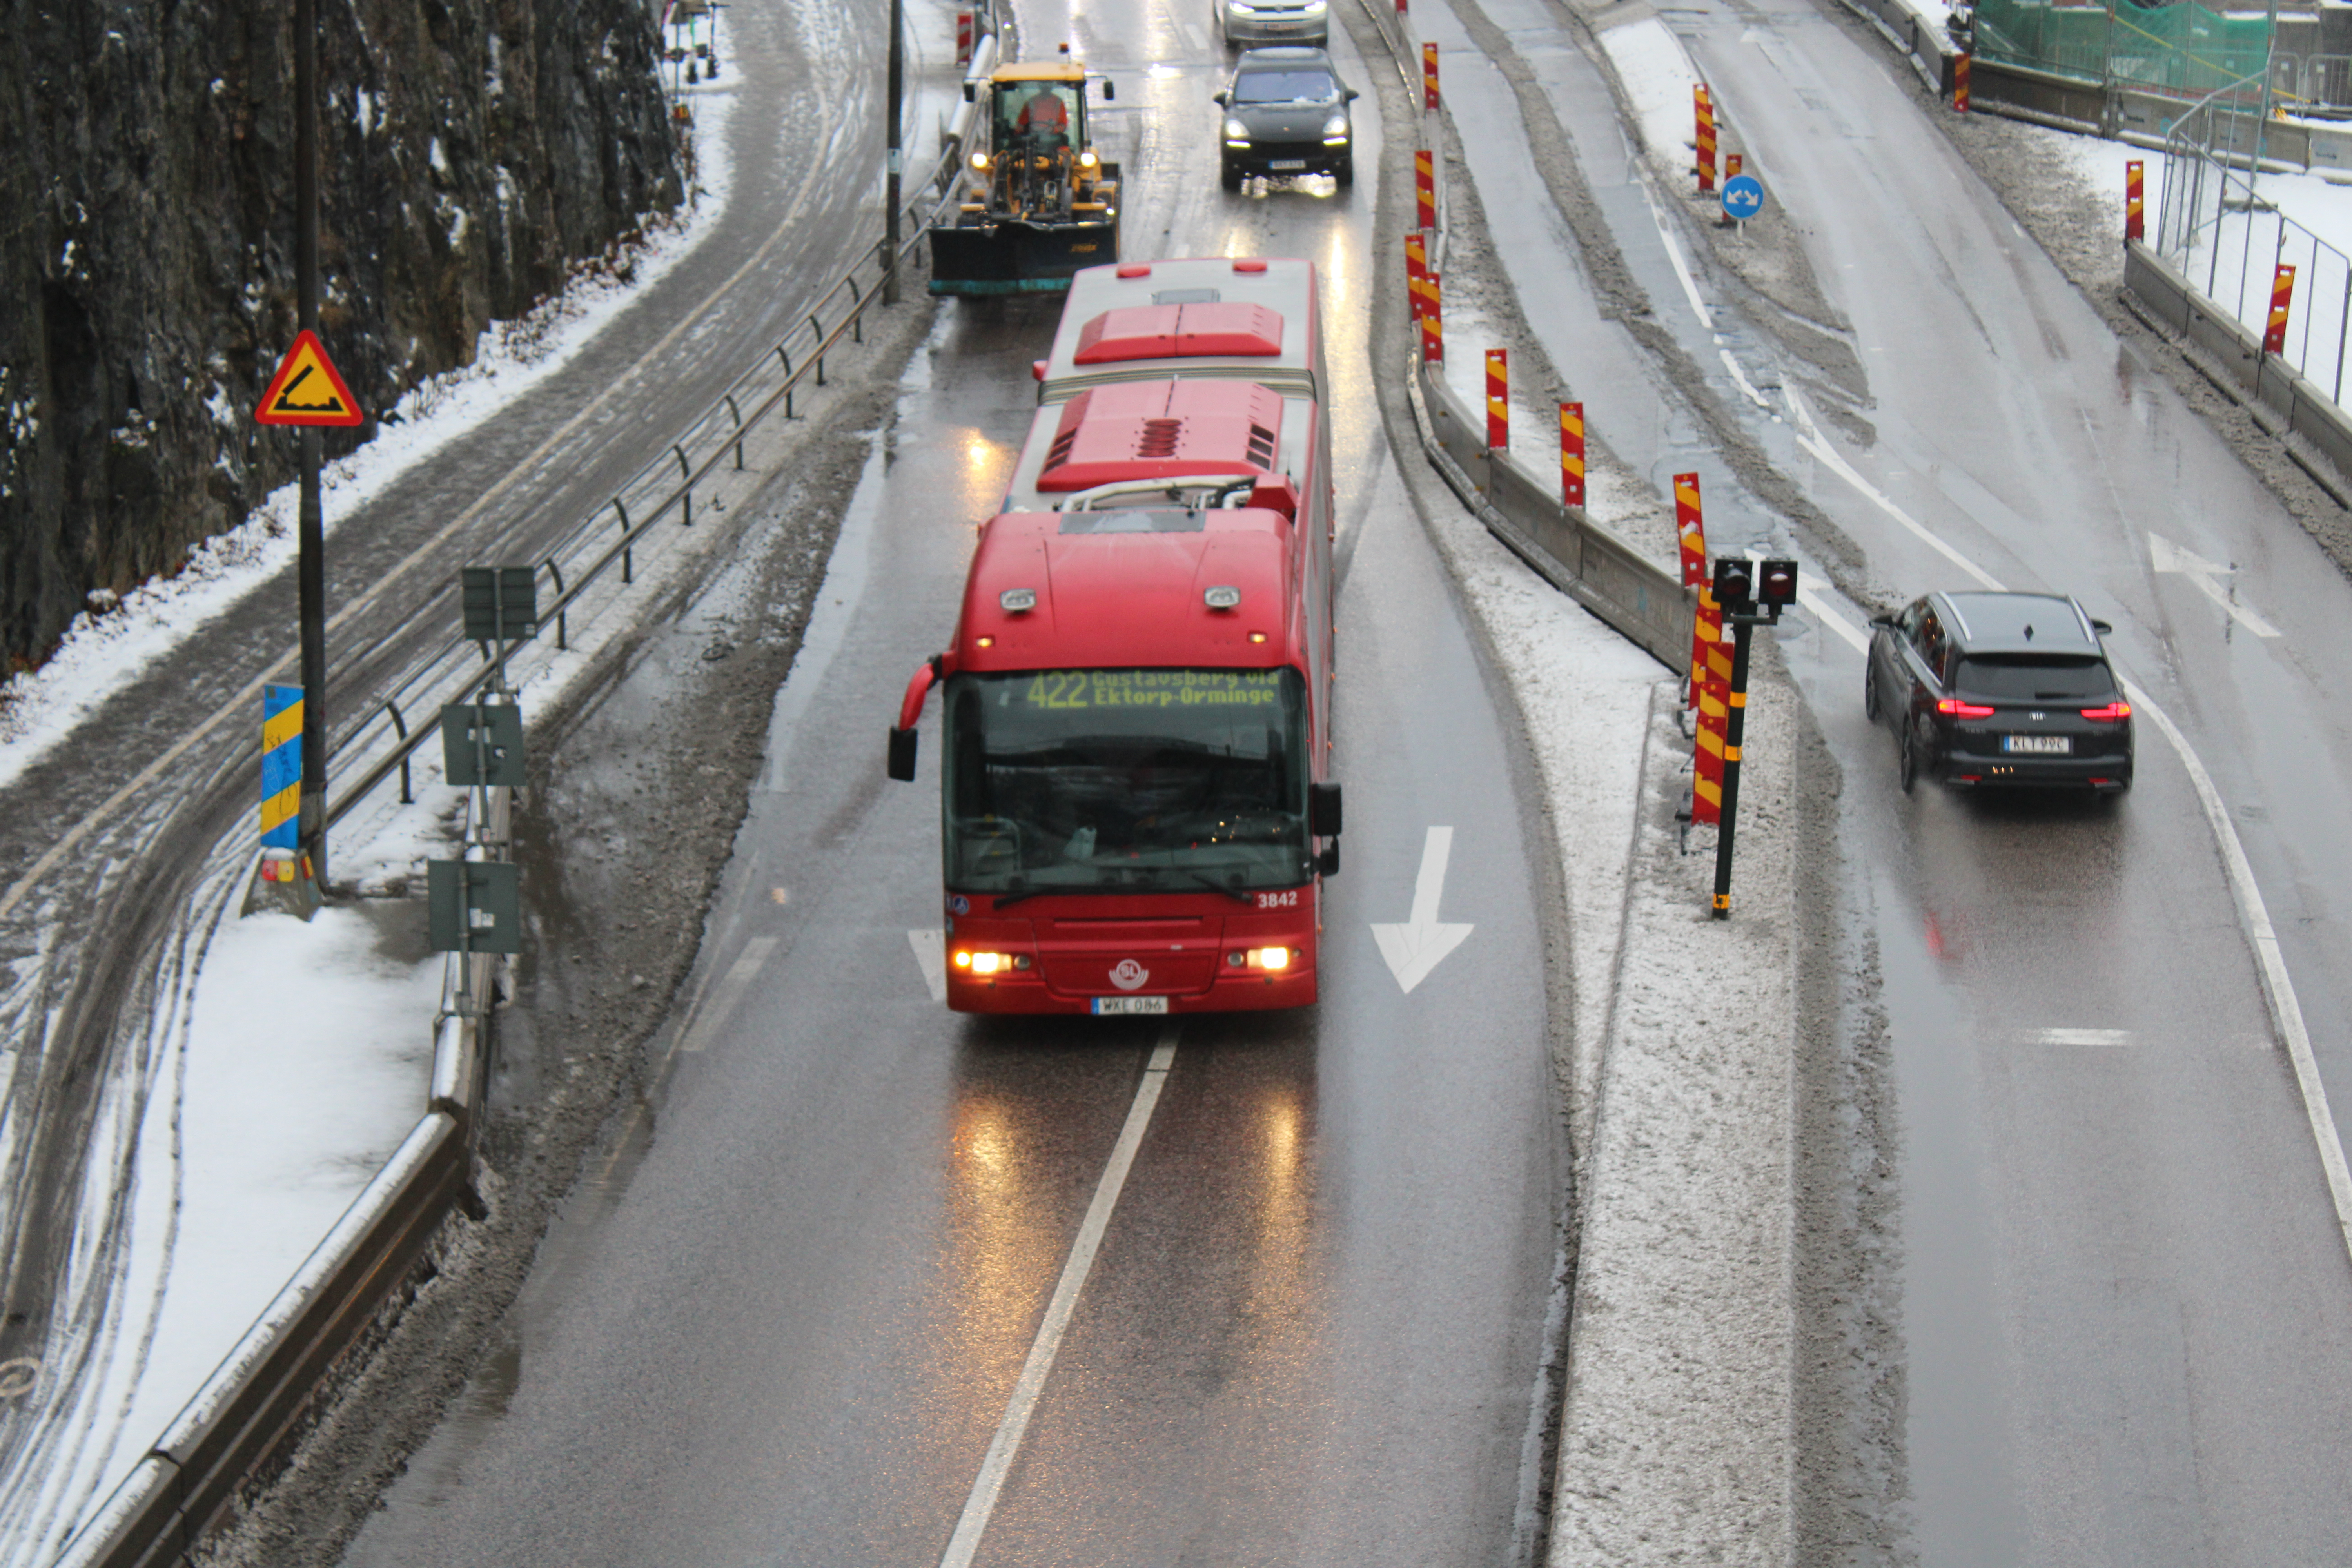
(2284, 1010)
(2163, 555)
(1813, 599)
(729, 994)
(2254, 915)
(2078, 1036)
(1740, 377)
(1809, 436)
(1682, 268)
(931, 952)
(998, 1461)
(1422, 943)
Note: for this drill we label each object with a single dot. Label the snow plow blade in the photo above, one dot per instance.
(1010, 257)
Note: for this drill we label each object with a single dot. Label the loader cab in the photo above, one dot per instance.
(1042, 115)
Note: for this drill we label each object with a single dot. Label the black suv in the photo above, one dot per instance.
(1999, 689)
(1286, 112)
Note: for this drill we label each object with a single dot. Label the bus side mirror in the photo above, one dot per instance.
(1323, 810)
(902, 756)
(1327, 863)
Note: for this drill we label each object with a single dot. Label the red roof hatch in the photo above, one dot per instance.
(1178, 331)
(1154, 429)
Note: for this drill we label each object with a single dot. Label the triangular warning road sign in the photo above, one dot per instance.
(307, 391)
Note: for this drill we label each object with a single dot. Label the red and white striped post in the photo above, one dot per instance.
(1428, 78)
(1961, 84)
(1498, 400)
(1433, 319)
(1425, 189)
(2282, 297)
(1572, 453)
(1416, 272)
(1703, 107)
(963, 38)
(2135, 201)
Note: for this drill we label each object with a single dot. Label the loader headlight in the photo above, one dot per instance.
(1087, 161)
(980, 162)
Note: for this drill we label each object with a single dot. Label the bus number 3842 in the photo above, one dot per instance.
(1278, 900)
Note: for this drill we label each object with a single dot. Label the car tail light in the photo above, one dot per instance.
(2114, 713)
(1959, 709)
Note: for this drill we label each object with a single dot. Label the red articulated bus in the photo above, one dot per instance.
(1137, 812)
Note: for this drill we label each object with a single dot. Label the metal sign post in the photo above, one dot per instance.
(1739, 591)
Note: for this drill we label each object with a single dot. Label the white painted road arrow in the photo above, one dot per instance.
(2165, 556)
(1421, 944)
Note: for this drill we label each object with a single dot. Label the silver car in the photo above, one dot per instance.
(1242, 22)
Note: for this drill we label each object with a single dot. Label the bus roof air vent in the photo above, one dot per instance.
(1156, 429)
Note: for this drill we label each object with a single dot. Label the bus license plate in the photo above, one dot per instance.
(1288, 163)
(1106, 1006)
(2039, 745)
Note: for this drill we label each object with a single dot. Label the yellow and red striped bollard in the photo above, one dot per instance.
(1417, 270)
(1714, 703)
(1428, 78)
(2135, 201)
(1432, 324)
(1572, 453)
(1690, 531)
(1498, 400)
(1731, 166)
(1425, 189)
(1703, 107)
(1961, 84)
(2282, 297)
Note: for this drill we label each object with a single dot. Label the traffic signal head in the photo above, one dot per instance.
(1776, 583)
(1734, 581)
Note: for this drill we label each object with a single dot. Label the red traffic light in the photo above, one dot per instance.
(1734, 585)
(1776, 582)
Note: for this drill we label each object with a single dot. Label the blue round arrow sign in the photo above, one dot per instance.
(1743, 197)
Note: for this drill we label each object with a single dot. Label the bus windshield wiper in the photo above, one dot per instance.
(1219, 886)
(1006, 901)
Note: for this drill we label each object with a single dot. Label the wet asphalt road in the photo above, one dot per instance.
(2127, 1306)
(783, 1324)
(2123, 1298)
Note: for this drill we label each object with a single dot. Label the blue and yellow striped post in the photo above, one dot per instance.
(282, 767)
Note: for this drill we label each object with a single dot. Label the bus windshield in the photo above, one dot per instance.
(1124, 781)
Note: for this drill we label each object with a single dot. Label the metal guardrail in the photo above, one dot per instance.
(1643, 601)
(261, 1393)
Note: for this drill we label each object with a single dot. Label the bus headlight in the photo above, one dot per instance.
(979, 961)
(1261, 958)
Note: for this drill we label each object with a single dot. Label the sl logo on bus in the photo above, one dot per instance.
(1127, 974)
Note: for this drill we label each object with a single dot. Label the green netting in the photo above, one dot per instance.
(2183, 48)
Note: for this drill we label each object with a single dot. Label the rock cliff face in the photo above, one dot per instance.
(470, 150)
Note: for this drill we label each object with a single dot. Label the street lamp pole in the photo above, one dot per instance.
(311, 570)
(890, 183)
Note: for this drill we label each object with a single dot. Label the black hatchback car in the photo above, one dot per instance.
(1999, 689)
(1286, 112)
